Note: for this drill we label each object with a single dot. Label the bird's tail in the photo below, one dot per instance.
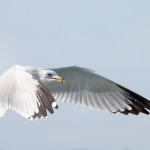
(2, 111)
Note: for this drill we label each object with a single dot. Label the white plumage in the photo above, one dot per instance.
(32, 91)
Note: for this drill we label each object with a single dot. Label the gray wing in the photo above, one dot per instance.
(85, 87)
(23, 93)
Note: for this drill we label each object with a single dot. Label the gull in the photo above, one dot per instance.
(33, 92)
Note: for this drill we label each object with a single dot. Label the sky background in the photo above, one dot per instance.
(110, 37)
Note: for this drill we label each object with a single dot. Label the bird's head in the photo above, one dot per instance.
(49, 75)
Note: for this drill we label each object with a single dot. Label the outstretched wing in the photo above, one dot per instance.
(85, 87)
(23, 93)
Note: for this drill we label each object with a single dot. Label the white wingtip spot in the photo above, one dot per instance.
(31, 118)
(54, 104)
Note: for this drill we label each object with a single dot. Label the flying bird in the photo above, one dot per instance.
(32, 92)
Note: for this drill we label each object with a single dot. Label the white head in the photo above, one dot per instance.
(49, 75)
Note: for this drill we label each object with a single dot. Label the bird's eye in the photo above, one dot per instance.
(49, 74)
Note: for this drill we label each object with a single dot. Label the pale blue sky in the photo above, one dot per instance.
(110, 37)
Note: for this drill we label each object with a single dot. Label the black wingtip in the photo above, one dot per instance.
(138, 103)
(56, 107)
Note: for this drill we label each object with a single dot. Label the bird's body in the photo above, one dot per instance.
(32, 91)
